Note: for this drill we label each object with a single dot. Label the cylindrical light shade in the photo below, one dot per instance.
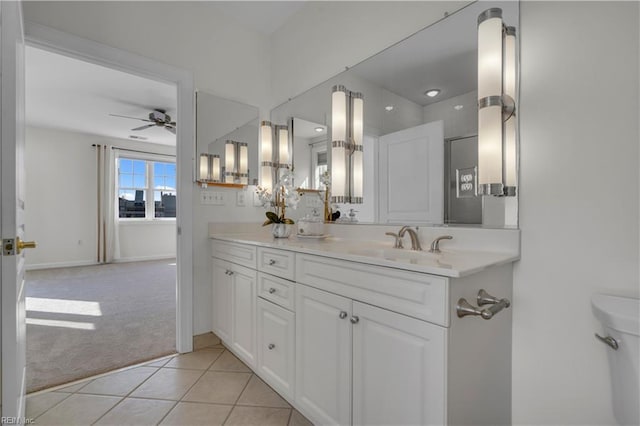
(490, 145)
(229, 161)
(243, 169)
(215, 168)
(509, 81)
(266, 155)
(490, 53)
(338, 172)
(510, 155)
(283, 145)
(357, 128)
(510, 62)
(339, 114)
(204, 173)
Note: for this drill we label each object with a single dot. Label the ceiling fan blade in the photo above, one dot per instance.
(146, 126)
(133, 118)
(171, 129)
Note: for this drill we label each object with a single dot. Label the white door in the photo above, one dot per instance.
(399, 369)
(243, 313)
(12, 209)
(221, 300)
(323, 356)
(276, 346)
(411, 175)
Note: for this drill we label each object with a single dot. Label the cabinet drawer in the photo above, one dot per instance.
(241, 254)
(277, 290)
(276, 347)
(418, 295)
(280, 263)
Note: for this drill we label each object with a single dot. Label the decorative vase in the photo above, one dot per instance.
(280, 230)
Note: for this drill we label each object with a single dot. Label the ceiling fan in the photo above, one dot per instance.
(158, 117)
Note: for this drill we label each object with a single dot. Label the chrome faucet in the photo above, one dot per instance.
(415, 241)
(435, 245)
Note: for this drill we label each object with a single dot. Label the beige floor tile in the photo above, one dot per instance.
(137, 412)
(229, 362)
(120, 383)
(38, 404)
(73, 388)
(298, 419)
(259, 416)
(218, 387)
(78, 410)
(198, 360)
(195, 413)
(258, 393)
(206, 340)
(168, 383)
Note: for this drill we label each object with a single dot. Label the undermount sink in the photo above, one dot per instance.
(395, 254)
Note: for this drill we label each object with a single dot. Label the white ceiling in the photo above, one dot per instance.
(262, 16)
(69, 94)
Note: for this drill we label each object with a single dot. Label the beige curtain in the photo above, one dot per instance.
(108, 207)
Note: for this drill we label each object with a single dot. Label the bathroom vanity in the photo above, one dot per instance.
(353, 332)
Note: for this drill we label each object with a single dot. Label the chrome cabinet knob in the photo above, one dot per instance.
(272, 290)
(354, 320)
(272, 262)
(343, 314)
(271, 346)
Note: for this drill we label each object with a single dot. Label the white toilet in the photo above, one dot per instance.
(620, 318)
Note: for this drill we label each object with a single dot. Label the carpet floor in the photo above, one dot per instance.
(88, 320)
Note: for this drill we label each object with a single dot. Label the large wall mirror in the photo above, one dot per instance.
(424, 185)
(225, 129)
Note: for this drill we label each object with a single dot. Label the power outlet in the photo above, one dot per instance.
(241, 199)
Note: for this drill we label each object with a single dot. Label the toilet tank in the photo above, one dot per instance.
(620, 318)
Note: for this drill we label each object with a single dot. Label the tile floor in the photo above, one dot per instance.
(207, 387)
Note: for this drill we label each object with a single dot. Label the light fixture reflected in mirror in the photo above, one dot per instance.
(236, 172)
(347, 132)
(275, 148)
(496, 105)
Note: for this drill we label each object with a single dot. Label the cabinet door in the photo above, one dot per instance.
(276, 346)
(221, 300)
(399, 369)
(243, 313)
(323, 356)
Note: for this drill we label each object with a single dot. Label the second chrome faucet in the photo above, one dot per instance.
(415, 240)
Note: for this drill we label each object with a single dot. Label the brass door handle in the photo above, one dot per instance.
(20, 245)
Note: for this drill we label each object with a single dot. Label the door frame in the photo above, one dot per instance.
(57, 41)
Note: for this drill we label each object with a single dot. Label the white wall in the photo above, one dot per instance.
(61, 195)
(578, 203)
(457, 123)
(60, 198)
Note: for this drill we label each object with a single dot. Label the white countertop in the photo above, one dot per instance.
(449, 263)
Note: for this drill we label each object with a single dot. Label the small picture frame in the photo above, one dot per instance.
(467, 182)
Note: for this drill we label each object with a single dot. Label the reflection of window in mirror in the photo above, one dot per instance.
(318, 163)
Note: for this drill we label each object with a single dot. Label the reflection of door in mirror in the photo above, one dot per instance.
(310, 143)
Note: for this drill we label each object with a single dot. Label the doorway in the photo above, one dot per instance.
(57, 42)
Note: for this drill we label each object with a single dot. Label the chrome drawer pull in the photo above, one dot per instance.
(355, 320)
(343, 314)
(613, 343)
(271, 346)
(272, 290)
(272, 262)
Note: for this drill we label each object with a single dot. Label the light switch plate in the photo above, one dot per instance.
(241, 199)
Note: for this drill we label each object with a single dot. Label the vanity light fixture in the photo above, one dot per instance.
(347, 133)
(209, 170)
(496, 105)
(275, 152)
(236, 162)
(432, 93)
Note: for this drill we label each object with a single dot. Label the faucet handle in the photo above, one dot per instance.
(398, 242)
(435, 245)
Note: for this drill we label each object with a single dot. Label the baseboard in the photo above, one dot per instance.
(143, 258)
(37, 266)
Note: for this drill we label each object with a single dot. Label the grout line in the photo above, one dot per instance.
(53, 406)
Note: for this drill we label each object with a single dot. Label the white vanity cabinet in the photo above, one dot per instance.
(354, 343)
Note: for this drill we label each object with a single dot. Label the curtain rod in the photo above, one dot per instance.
(143, 152)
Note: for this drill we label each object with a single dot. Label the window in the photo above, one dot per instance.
(319, 164)
(146, 189)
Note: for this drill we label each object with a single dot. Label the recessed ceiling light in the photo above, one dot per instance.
(319, 129)
(458, 107)
(389, 108)
(432, 92)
